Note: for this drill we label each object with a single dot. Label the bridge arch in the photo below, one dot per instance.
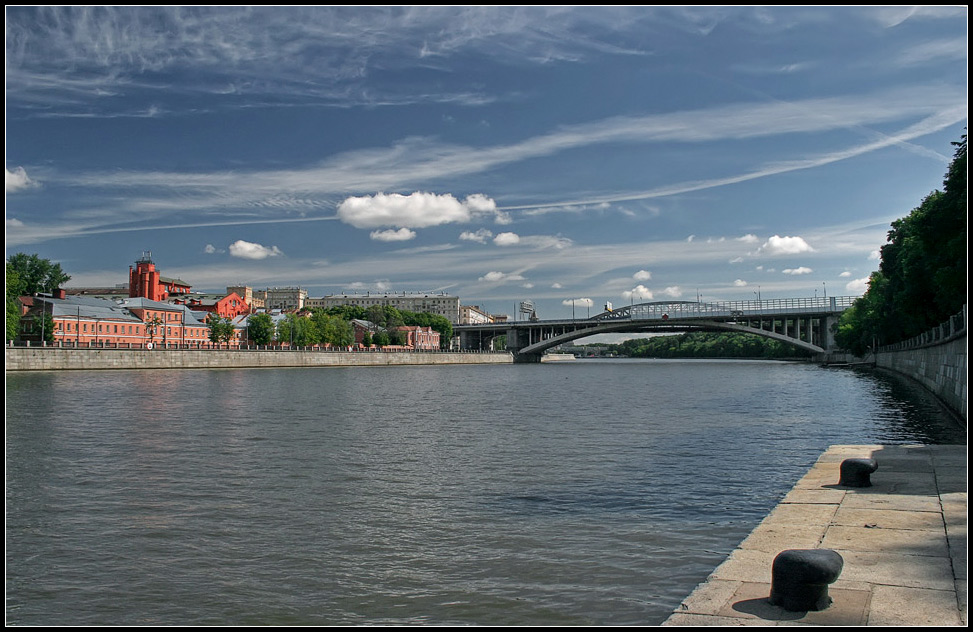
(539, 348)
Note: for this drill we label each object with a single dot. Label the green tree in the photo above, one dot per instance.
(221, 330)
(260, 329)
(366, 339)
(15, 289)
(37, 274)
(381, 339)
(297, 330)
(921, 281)
(332, 329)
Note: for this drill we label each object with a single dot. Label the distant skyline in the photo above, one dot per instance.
(569, 156)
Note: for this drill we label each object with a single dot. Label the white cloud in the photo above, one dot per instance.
(642, 275)
(778, 245)
(248, 250)
(740, 283)
(480, 236)
(17, 180)
(736, 260)
(210, 249)
(507, 239)
(748, 239)
(874, 255)
(845, 274)
(500, 277)
(556, 286)
(858, 286)
(638, 292)
(578, 302)
(690, 239)
(402, 234)
(672, 291)
(797, 271)
(417, 210)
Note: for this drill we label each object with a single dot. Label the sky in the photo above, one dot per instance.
(568, 156)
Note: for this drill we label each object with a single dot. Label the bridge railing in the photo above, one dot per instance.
(730, 309)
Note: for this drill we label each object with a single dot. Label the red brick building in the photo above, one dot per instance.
(144, 281)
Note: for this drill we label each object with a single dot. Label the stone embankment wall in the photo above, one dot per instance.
(941, 368)
(936, 359)
(51, 359)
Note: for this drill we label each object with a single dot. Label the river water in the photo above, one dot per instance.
(590, 492)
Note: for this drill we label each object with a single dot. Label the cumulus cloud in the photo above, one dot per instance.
(210, 249)
(797, 271)
(248, 250)
(740, 283)
(507, 239)
(500, 277)
(748, 239)
(480, 236)
(690, 239)
(845, 274)
(673, 291)
(642, 275)
(578, 302)
(417, 210)
(874, 255)
(639, 292)
(858, 286)
(556, 286)
(402, 234)
(17, 180)
(778, 245)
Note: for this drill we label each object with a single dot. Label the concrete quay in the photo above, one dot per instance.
(903, 542)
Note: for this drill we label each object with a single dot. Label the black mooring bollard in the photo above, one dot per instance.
(800, 578)
(856, 472)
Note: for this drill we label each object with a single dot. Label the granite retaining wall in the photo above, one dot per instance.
(54, 359)
(941, 368)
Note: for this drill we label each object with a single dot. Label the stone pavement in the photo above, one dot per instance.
(903, 542)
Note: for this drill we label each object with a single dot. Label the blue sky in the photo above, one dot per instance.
(495, 153)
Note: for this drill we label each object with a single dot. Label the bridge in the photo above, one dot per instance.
(805, 323)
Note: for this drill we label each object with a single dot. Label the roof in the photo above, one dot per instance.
(111, 309)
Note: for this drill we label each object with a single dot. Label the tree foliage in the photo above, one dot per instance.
(37, 274)
(707, 345)
(921, 280)
(220, 329)
(15, 289)
(260, 329)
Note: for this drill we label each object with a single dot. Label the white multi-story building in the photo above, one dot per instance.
(286, 298)
(441, 304)
(473, 315)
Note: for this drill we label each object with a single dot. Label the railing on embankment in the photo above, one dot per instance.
(936, 359)
(54, 358)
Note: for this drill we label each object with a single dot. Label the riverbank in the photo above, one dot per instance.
(903, 542)
(62, 359)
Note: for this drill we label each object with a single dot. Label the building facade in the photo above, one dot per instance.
(144, 281)
(440, 304)
(135, 322)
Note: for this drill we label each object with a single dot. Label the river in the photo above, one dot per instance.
(577, 493)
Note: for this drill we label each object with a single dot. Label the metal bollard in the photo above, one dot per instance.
(800, 578)
(857, 472)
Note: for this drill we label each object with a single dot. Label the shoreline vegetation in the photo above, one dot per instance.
(708, 345)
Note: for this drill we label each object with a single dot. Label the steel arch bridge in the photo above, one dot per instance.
(805, 323)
